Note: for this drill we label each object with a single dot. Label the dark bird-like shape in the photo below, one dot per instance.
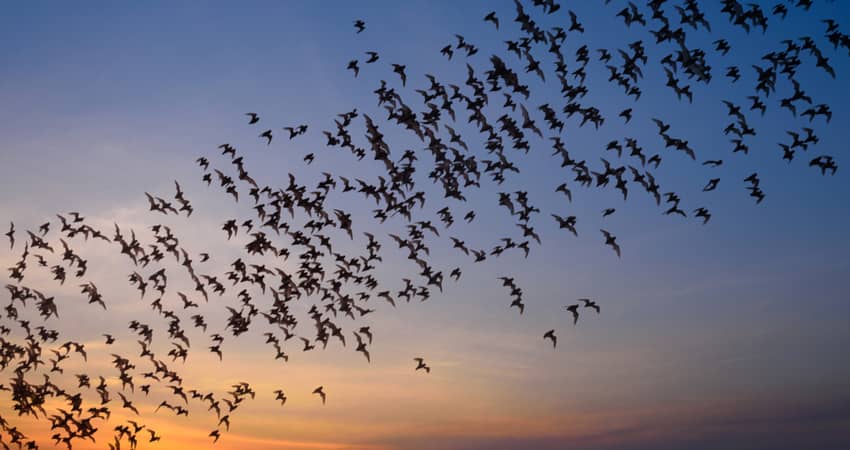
(154, 437)
(611, 240)
(676, 210)
(361, 347)
(551, 335)
(491, 17)
(281, 396)
(360, 25)
(702, 213)
(753, 179)
(734, 73)
(447, 50)
(567, 222)
(307, 345)
(127, 404)
(711, 185)
(420, 364)
(528, 123)
(573, 309)
(563, 188)
(824, 162)
(352, 65)
(373, 56)
(662, 127)
(722, 46)
(254, 118)
(11, 235)
(588, 303)
(399, 69)
(268, 135)
(321, 393)
(574, 23)
(517, 302)
(366, 332)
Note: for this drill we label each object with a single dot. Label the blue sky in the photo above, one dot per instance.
(105, 101)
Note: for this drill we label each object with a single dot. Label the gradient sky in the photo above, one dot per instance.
(729, 335)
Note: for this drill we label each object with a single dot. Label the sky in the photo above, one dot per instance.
(731, 334)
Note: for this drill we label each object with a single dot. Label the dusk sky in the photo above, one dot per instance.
(733, 334)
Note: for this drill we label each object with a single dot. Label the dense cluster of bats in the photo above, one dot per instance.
(292, 241)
